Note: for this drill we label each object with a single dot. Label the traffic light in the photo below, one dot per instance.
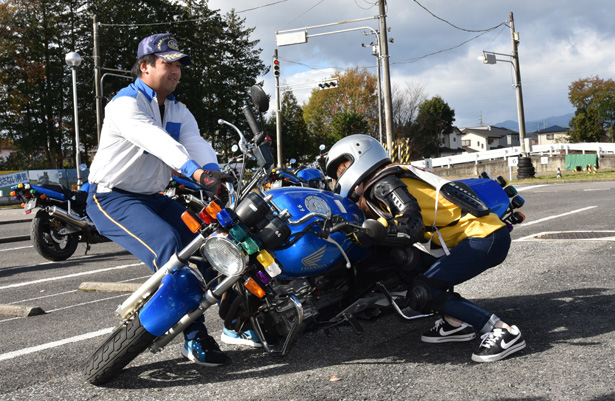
(276, 67)
(328, 84)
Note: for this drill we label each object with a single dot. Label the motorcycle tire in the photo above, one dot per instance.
(48, 242)
(118, 350)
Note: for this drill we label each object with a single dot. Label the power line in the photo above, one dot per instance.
(453, 25)
(412, 60)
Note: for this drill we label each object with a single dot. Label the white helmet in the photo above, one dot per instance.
(366, 155)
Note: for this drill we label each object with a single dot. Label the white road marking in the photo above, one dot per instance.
(556, 216)
(16, 249)
(68, 276)
(54, 344)
(521, 189)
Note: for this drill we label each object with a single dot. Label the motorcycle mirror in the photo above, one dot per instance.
(322, 147)
(83, 167)
(293, 161)
(234, 148)
(374, 229)
(260, 98)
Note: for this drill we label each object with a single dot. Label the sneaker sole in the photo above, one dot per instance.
(194, 359)
(501, 355)
(239, 341)
(451, 339)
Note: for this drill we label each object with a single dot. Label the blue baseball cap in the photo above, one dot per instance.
(163, 45)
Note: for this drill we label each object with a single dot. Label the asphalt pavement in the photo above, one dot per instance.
(559, 292)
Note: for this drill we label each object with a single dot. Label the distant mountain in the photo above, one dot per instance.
(532, 126)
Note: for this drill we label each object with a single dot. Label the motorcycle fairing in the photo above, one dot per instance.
(309, 173)
(490, 192)
(179, 293)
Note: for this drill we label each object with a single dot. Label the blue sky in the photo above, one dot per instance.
(560, 42)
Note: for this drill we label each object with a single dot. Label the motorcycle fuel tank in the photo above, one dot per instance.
(308, 174)
(311, 255)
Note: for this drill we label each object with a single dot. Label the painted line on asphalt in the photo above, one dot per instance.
(556, 216)
(44, 280)
(17, 248)
(54, 344)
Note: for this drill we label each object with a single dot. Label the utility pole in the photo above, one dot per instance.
(515, 61)
(278, 114)
(97, 83)
(386, 73)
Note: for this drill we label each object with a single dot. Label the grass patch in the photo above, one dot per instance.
(600, 175)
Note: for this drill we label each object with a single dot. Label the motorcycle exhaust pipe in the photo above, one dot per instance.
(61, 214)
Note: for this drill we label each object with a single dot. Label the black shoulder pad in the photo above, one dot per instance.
(393, 192)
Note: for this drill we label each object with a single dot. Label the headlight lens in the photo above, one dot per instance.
(224, 255)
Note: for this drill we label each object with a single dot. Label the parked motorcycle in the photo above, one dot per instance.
(306, 175)
(61, 221)
(289, 257)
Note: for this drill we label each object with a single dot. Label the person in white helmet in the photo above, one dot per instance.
(462, 235)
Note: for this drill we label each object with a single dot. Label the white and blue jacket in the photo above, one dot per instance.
(138, 151)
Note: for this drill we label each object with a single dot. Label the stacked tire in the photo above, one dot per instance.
(525, 169)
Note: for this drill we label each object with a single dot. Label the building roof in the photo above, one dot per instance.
(552, 129)
(488, 131)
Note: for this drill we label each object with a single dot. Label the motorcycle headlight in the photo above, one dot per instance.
(224, 255)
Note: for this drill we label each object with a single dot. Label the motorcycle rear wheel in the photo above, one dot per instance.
(118, 350)
(48, 242)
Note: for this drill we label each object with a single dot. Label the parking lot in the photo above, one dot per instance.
(557, 285)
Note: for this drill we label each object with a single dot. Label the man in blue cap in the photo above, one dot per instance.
(147, 134)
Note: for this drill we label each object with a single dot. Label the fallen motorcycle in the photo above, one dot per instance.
(287, 255)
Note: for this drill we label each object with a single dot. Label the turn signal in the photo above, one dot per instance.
(190, 221)
(13, 193)
(254, 288)
(213, 209)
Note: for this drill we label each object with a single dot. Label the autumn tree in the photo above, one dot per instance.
(355, 99)
(594, 99)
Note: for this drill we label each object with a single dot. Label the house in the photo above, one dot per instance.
(6, 148)
(549, 135)
(480, 139)
(450, 143)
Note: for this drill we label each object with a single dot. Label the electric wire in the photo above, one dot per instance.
(453, 25)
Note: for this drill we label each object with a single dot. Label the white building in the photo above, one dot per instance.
(480, 139)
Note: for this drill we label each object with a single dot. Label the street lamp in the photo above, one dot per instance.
(73, 60)
(490, 58)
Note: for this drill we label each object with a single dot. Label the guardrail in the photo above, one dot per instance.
(504, 153)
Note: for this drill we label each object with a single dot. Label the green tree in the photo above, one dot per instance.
(434, 118)
(35, 84)
(296, 143)
(36, 113)
(594, 99)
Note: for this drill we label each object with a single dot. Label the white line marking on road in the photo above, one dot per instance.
(521, 189)
(87, 303)
(556, 216)
(68, 276)
(54, 344)
(16, 249)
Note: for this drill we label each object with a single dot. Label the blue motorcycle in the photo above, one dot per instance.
(288, 258)
(60, 222)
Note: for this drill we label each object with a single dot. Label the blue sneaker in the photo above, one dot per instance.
(247, 337)
(204, 350)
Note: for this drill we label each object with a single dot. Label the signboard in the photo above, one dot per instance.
(513, 161)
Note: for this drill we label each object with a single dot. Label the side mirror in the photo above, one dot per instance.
(260, 98)
(374, 229)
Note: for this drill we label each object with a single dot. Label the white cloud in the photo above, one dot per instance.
(560, 42)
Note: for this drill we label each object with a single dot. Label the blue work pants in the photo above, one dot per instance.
(466, 260)
(147, 226)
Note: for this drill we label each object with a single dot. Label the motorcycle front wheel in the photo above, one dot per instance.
(48, 242)
(121, 347)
